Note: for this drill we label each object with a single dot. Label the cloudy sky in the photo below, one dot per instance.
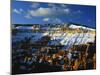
(41, 13)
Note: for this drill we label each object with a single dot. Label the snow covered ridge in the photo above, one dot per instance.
(71, 36)
(24, 27)
(73, 26)
(46, 26)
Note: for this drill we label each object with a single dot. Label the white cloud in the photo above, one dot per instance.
(57, 20)
(53, 20)
(18, 11)
(28, 16)
(46, 19)
(67, 10)
(35, 5)
(21, 10)
(77, 12)
(48, 11)
(40, 12)
(63, 5)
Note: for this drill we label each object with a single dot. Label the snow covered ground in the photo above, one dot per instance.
(68, 39)
(64, 38)
(21, 36)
